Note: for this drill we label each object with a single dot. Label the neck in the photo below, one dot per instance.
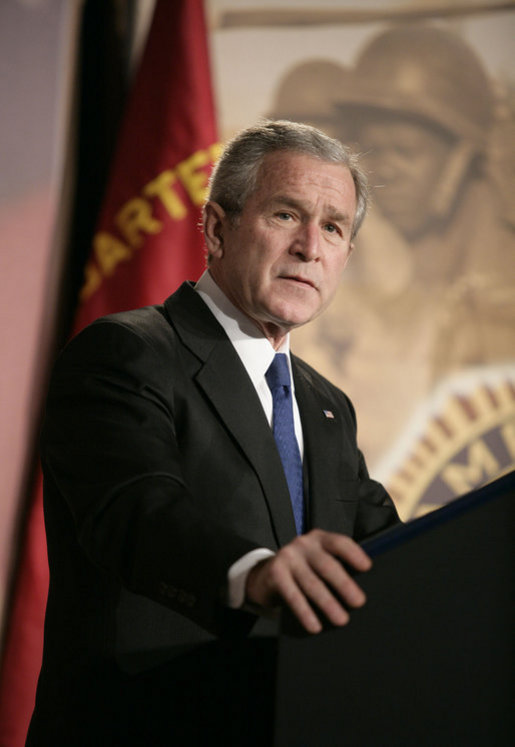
(275, 335)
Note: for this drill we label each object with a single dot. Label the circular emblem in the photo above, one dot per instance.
(467, 440)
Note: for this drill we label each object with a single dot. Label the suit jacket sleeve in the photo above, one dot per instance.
(110, 453)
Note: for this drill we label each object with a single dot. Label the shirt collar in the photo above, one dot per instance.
(255, 351)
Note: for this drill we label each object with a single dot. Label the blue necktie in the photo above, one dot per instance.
(278, 379)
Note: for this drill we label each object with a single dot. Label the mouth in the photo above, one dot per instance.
(306, 282)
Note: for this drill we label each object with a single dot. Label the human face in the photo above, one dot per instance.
(281, 260)
(407, 160)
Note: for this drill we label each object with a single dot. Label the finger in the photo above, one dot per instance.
(316, 591)
(285, 584)
(332, 571)
(303, 611)
(347, 550)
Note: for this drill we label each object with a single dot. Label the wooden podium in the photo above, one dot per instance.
(428, 660)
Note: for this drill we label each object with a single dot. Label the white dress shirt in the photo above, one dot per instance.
(256, 354)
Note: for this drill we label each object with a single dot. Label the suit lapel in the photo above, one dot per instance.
(322, 431)
(223, 379)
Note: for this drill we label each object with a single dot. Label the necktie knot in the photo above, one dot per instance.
(278, 373)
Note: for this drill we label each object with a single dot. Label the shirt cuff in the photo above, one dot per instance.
(238, 572)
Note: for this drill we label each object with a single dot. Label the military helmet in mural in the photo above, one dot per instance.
(428, 72)
(308, 93)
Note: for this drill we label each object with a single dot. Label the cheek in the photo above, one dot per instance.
(253, 276)
(260, 266)
(333, 277)
(338, 264)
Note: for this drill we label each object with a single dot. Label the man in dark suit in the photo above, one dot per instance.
(176, 522)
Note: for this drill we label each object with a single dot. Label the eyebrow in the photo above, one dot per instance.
(332, 212)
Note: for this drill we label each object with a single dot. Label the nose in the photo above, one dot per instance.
(306, 245)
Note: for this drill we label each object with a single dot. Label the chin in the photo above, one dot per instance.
(288, 313)
(294, 319)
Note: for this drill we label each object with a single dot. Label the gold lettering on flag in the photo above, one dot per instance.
(161, 187)
(135, 219)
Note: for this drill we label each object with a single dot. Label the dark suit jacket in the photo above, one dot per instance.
(160, 471)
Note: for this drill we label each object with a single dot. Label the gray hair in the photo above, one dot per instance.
(234, 178)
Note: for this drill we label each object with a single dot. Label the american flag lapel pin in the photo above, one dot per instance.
(329, 414)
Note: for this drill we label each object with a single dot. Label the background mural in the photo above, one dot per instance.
(421, 331)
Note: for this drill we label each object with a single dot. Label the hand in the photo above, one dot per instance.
(308, 570)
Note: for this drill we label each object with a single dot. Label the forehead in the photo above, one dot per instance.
(287, 173)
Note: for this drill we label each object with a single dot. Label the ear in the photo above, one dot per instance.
(214, 220)
(351, 249)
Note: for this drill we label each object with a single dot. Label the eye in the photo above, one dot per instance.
(283, 215)
(332, 228)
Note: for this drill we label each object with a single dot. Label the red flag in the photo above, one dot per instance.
(148, 241)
